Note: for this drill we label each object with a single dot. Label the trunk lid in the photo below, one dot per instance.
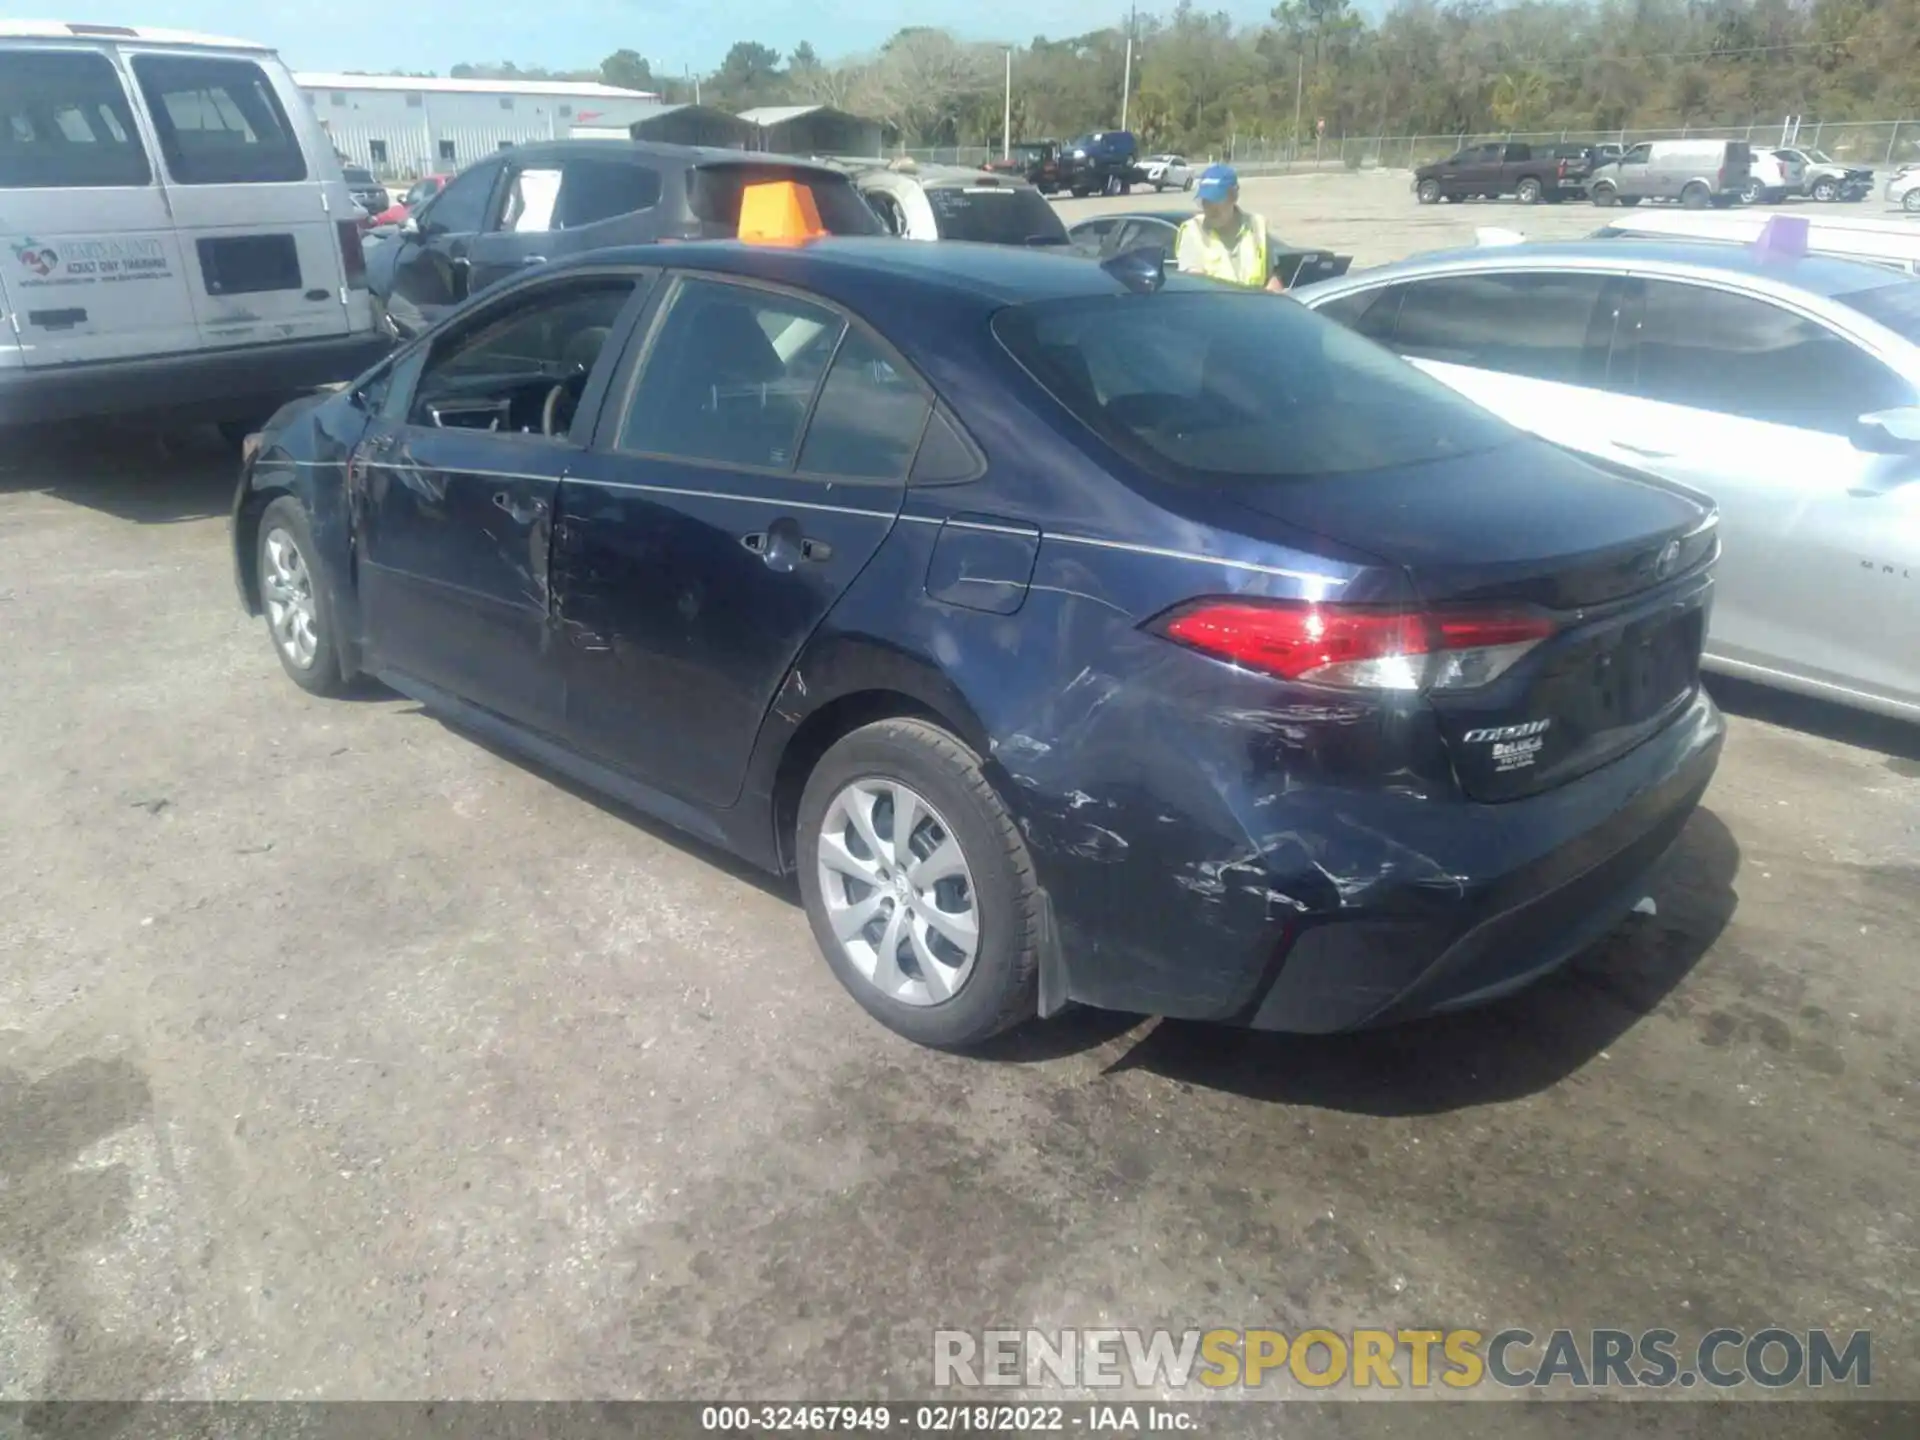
(1618, 560)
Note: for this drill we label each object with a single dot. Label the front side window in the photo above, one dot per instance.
(730, 376)
(1536, 325)
(531, 197)
(868, 418)
(220, 122)
(65, 123)
(1213, 387)
(1712, 350)
(521, 371)
(461, 208)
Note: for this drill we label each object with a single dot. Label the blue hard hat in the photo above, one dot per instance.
(1216, 183)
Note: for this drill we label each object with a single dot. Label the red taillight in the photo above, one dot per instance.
(353, 255)
(1359, 647)
(1563, 169)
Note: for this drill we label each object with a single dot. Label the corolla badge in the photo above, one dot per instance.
(40, 259)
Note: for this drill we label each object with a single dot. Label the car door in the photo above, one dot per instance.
(453, 491)
(753, 465)
(430, 271)
(1755, 403)
(90, 266)
(554, 207)
(1637, 180)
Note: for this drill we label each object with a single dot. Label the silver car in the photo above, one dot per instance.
(1786, 388)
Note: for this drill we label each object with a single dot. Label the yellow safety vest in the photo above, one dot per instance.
(1201, 251)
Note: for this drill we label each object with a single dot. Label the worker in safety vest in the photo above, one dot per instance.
(1223, 241)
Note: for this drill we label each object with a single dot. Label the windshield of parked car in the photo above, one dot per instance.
(1214, 385)
(995, 214)
(1896, 306)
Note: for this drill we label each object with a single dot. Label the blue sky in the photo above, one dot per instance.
(568, 34)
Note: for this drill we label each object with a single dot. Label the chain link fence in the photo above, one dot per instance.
(1881, 143)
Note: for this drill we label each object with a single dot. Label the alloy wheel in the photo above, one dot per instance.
(287, 589)
(898, 891)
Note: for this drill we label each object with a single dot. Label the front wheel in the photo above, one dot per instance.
(1428, 192)
(298, 609)
(1826, 192)
(918, 885)
(1910, 202)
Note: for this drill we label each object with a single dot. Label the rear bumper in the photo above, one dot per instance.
(1339, 909)
(214, 384)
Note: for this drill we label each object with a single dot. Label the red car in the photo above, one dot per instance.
(417, 195)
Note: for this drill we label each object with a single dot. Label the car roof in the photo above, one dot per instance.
(658, 150)
(839, 268)
(1172, 217)
(1822, 275)
(139, 34)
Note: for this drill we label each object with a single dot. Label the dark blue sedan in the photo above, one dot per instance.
(1076, 633)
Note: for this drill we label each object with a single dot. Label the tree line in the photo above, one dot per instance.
(1425, 67)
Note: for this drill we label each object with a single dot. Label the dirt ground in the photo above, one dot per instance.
(342, 1057)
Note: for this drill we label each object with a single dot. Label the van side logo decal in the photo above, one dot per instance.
(42, 260)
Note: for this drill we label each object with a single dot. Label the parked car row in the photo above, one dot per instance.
(1103, 163)
(1697, 174)
(1106, 236)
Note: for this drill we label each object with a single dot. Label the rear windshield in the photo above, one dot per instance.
(713, 193)
(1896, 306)
(1213, 386)
(995, 214)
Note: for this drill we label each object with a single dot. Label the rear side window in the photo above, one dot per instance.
(714, 191)
(995, 215)
(1536, 325)
(1736, 355)
(219, 121)
(1210, 387)
(1366, 312)
(65, 123)
(596, 190)
(868, 418)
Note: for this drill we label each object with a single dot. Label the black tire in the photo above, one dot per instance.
(1695, 196)
(1630, 200)
(1604, 195)
(1725, 202)
(1530, 191)
(1825, 191)
(1910, 202)
(1427, 192)
(323, 674)
(1002, 989)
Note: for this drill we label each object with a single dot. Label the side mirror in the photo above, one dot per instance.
(1889, 432)
(410, 227)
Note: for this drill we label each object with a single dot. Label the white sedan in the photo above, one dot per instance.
(1168, 172)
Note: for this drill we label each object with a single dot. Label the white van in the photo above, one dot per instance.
(175, 230)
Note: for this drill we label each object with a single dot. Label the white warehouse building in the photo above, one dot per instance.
(401, 126)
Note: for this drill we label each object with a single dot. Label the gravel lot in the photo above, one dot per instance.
(342, 1057)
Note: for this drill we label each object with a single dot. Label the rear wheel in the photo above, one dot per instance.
(1427, 192)
(1529, 191)
(299, 613)
(918, 885)
(1604, 194)
(1695, 196)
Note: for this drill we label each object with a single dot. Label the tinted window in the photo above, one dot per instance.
(943, 457)
(421, 192)
(1737, 355)
(1523, 324)
(1358, 312)
(730, 376)
(461, 208)
(868, 419)
(1895, 306)
(713, 194)
(1138, 234)
(995, 214)
(219, 121)
(65, 121)
(530, 200)
(1208, 386)
(597, 190)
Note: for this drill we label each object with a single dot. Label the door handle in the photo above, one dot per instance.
(534, 260)
(757, 542)
(534, 510)
(760, 543)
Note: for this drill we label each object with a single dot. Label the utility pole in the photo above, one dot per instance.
(1006, 114)
(1299, 93)
(1126, 75)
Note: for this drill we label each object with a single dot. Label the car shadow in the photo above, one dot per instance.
(1898, 740)
(150, 474)
(1503, 1051)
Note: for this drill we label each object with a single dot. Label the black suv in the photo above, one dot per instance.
(540, 202)
(1102, 163)
(368, 193)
